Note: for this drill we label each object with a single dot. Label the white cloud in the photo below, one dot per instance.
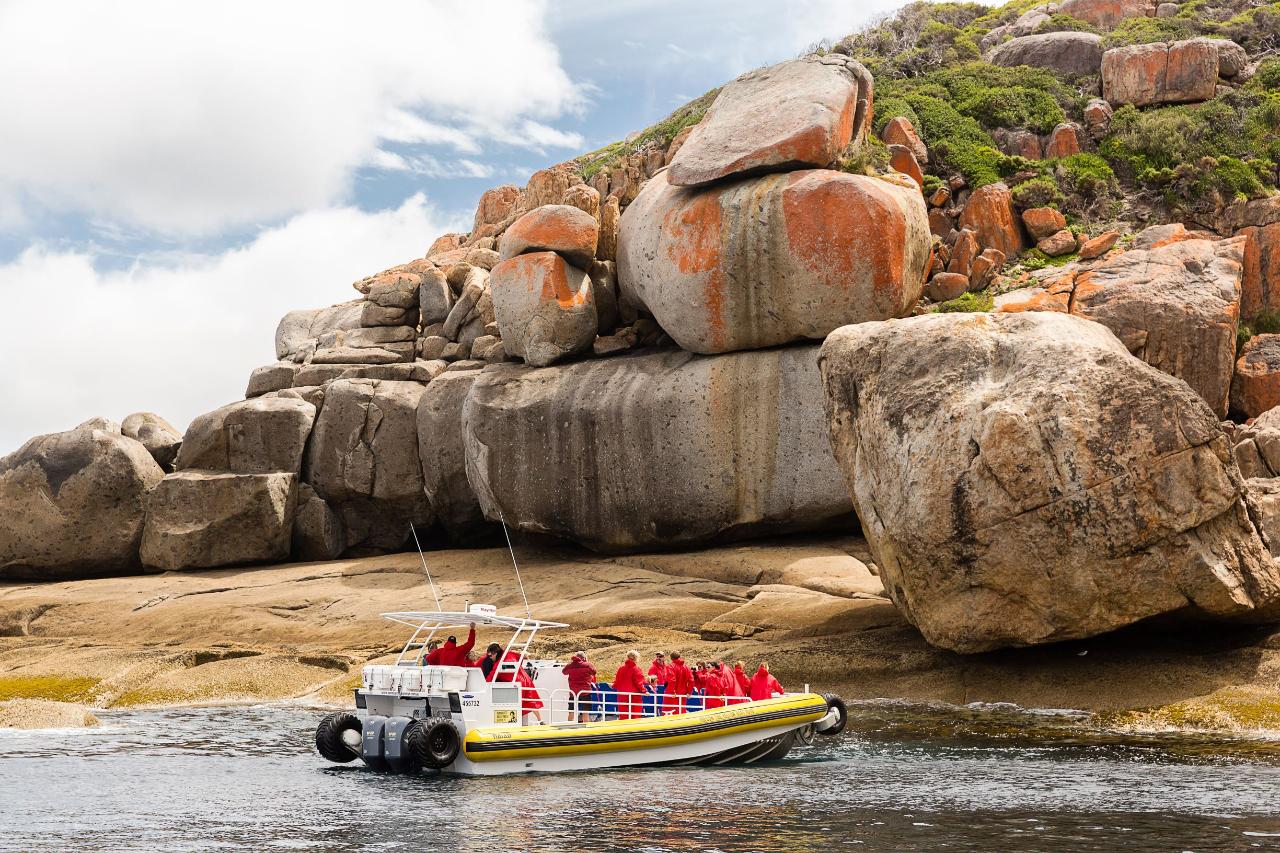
(189, 118)
(178, 338)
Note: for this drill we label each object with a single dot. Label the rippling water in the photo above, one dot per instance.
(902, 778)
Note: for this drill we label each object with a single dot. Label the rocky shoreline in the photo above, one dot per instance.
(303, 631)
(953, 297)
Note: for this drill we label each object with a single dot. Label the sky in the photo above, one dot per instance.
(175, 177)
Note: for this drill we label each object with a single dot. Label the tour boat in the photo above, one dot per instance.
(411, 717)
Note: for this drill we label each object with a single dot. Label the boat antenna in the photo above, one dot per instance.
(423, 557)
(507, 532)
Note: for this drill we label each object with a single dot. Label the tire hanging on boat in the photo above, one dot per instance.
(436, 743)
(329, 737)
(834, 702)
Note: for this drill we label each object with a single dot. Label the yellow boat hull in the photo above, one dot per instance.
(505, 743)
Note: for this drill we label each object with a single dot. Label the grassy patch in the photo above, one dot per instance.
(57, 688)
(967, 303)
(662, 132)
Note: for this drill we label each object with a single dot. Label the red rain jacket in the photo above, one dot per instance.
(730, 683)
(764, 685)
(744, 682)
(528, 696)
(629, 678)
(581, 674)
(452, 654)
(680, 679)
(662, 670)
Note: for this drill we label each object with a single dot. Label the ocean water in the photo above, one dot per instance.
(902, 778)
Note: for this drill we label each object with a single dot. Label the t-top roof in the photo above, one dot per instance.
(459, 619)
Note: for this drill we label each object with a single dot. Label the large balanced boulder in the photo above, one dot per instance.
(203, 519)
(1022, 479)
(655, 451)
(254, 436)
(158, 436)
(1160, 73)
(362, 459)
(545, 307)
(797, 114)
(560, 228)
(763, 261)
(1064, 52)
(444, 458)
(73, 504)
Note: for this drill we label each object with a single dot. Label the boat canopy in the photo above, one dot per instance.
(447, 619)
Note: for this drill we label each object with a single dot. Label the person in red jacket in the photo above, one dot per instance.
(452, 654)
(713, 686)
(529, 701)
(582, 684)
(728, 683)
(629, 679)
(764, 685)
(679, 684)
(433, 653)
(744, 680)
(659, 668)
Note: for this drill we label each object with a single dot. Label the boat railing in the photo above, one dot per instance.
(605, 703)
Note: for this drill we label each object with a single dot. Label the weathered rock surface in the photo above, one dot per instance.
(361, 460)
(317, 530)
(271, 377)
(202, 519)
(796, 114)
(495, 205)
(73, 505)
(1009, 500)
(1105, 14)
(545, 307)
(1043, 222)
(1260, 281)
(1160, 73)
(1255, 388)
(443, 455)
(1064, 52)
(158, 436)
(900, 131)
(1175, 306)
(989, 212)
(257, 436)
(651, 451)
(560, 228)
(298, 330)
(768, 260)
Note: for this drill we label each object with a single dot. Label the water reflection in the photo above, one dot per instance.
(903, 778)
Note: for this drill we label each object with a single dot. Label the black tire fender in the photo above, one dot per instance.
(436, 743)
(329, 742)
(835, 703)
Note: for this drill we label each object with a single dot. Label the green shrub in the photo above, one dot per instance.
(871, 157)
(1266, 323)
(968, 303)
(1037, 192)
(1142, 30)
(1015, 107)
(1060, 23)
(1086, 175)
(1243, 335)
(891, 107)
(957, 140)
(1267, 77)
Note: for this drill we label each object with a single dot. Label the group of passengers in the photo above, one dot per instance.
(669, 687)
